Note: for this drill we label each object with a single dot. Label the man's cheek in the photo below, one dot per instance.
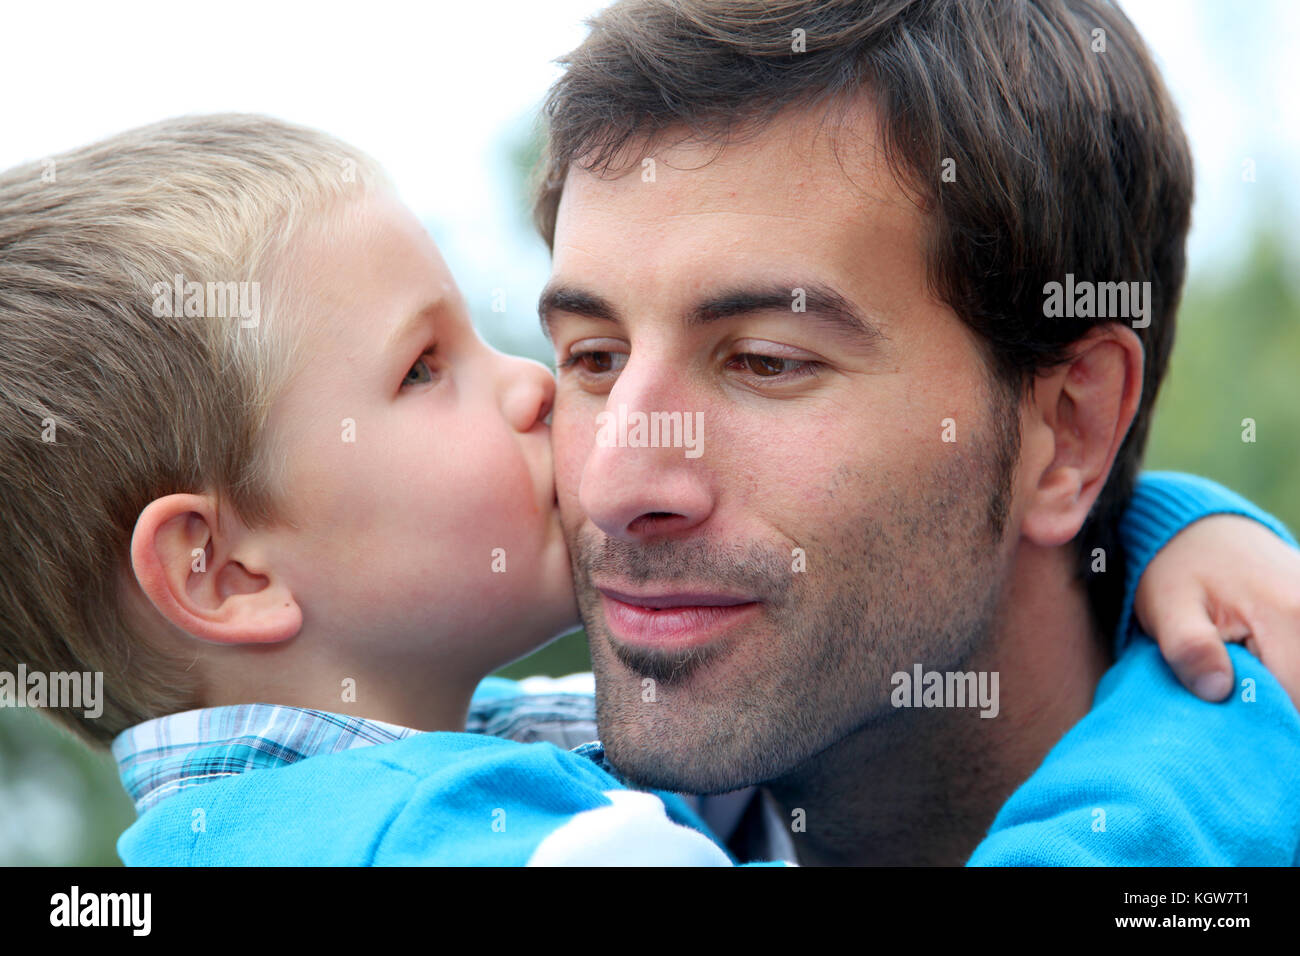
(572, 438)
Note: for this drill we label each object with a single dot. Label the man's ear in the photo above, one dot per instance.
(1080, 413)
(198, 573)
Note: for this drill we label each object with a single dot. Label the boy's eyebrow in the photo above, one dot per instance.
(820, 303)
(413, 323)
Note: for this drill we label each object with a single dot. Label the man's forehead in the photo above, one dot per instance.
(810, 161)
(809, 196)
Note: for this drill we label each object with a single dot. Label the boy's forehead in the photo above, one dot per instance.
(361, 270)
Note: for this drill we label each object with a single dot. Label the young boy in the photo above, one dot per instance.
(260, 472)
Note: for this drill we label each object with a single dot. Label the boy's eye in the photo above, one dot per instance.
(419, 372)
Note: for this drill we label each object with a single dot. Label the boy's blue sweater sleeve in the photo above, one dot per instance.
(1163, 504)
(1155, 776)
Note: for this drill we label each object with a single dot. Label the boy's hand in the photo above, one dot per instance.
(1224, 578)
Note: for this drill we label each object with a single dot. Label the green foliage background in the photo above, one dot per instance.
(1237, 356)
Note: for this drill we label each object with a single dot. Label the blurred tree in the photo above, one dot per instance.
(60, 803)
(1237, 357)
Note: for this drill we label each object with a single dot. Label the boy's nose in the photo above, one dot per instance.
(528, 392)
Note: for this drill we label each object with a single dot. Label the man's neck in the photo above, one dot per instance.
(922, 786)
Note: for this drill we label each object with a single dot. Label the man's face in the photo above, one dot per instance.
(747, 606)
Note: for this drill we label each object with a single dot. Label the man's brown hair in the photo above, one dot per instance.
(1067, 153)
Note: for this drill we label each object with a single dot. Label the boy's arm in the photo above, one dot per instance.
(1195, 582)
(1153, 776)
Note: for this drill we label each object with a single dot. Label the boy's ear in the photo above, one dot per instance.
(198, 575)
(1080, 412)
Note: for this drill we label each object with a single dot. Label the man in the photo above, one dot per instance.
(827, 232)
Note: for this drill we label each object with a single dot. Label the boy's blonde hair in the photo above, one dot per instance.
(106, 405)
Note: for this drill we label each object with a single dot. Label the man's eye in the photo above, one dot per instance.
(596, 363)
(419, 373)
(772, 366)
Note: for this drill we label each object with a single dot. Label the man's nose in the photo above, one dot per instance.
(527, 391)
(630, 489)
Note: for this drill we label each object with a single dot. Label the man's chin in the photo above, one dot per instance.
(645, 763)
(665, 723)
(670, 667)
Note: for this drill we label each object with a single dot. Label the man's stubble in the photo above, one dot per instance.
(913, 577)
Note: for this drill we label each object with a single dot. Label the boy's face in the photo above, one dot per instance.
(419, 469)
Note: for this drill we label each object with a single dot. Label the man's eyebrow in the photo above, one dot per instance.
(813, 300)
(562, 298)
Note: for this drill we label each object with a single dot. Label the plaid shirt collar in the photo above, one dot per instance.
(168, 754)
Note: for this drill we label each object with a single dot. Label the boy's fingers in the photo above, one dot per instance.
(1190, 642)
(1277, 643)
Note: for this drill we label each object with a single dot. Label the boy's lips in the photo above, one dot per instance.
(673, 619)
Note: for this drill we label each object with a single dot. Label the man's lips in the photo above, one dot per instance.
(675, 599)
(672, 620)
